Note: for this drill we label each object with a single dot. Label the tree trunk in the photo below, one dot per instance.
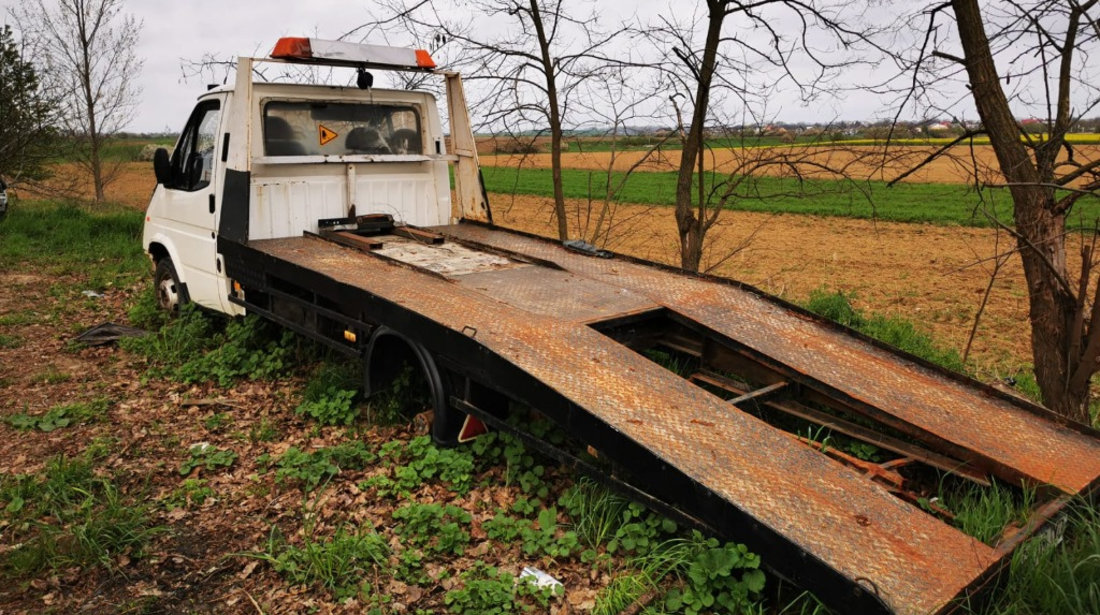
(95, 162)
(555, 121)
(1040, 229)
(689, 226)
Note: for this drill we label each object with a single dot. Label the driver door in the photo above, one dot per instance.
(189, 206)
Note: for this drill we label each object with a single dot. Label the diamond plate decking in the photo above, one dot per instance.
(534, 317)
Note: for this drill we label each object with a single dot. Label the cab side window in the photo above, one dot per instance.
(194, 157)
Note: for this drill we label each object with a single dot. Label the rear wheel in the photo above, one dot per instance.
(170, 293)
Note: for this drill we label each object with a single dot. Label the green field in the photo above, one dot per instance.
(640, 142)
(951, 204)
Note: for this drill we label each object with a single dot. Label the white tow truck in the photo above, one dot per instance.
(329, 210)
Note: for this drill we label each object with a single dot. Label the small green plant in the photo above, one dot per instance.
(540, 537)
(216, 421)
(595, 511)
(639, 530)
(419, 462)
(336, 407)
(10, 341)
(192, 493)
(312, 469)
(60, 416)
(723, 578)
(329, 396)
(487, 591)
(264, 431)
(341, 564)
(433, 527)
(203, 455)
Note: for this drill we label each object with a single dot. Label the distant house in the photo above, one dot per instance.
(940, 128)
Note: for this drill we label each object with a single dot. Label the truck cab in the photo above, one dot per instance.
(260, 160)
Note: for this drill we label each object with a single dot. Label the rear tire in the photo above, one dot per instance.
(171, 295)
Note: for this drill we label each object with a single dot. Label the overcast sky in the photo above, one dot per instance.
(175, 32)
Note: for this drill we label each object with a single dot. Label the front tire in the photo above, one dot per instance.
(171, 295)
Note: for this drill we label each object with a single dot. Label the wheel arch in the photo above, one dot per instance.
(160, 248)
(387, 351)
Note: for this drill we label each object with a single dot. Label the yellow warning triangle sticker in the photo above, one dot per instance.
(325, 134)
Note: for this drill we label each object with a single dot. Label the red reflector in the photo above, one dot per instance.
(292, 47)
(424, 59)
(472, 427)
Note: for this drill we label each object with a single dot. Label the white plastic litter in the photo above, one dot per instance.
(541, 579)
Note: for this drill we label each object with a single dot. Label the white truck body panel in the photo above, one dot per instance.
(324, 177)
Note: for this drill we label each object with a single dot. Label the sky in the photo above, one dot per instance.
(175, 33)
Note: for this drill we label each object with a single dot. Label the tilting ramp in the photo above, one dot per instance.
(532, 320)
(999, 434)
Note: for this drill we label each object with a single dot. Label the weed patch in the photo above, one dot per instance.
(897, 332)
(329, 396)
(209, 457)
(434, 528)
(417, 462)
(10, 341)
(60, 416)
(342, 564)
(200, 347)
(540, 537)
(312, 469)
(487, 591)
(69, 516)
(192, 493)
(1058, 571)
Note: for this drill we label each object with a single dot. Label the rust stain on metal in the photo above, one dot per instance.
(918, 565)
(998, 431)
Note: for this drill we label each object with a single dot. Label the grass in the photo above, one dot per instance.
(70, 516)
(638, 142)
(950, 204)
(60, 239)
(893, 330)
(342, 563)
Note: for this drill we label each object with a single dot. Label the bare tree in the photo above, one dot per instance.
(87, 51)
(747, 50)
(1039, 60)
(530, 63)
(616, 104)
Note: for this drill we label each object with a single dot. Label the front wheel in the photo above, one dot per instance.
(170, 293)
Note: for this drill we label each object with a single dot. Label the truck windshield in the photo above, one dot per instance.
(333, 129)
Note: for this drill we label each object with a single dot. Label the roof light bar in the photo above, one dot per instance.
(352, 54)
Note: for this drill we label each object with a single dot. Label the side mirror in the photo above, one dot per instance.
(162, 167)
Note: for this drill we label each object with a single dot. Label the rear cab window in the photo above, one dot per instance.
(301, 128)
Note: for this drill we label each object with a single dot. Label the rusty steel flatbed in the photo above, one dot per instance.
(559, 330)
